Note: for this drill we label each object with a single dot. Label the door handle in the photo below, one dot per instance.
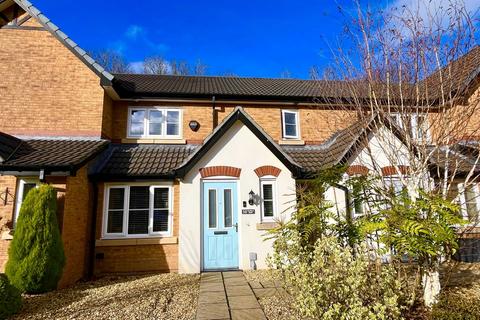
(236, 227)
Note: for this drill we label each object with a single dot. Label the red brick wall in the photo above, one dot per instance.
(44, 88)
(7, 192)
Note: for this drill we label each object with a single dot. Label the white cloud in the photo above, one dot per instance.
(136, 66)
(426, 17)
(134, 31)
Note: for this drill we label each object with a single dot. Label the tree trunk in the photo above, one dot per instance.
(431, 287)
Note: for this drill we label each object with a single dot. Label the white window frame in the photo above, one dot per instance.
(19, 196)
(297, 125)
(413, 122)
(272, 181)
(462, 195)
(146, 124)
(124, 233)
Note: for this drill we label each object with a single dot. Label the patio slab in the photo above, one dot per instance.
(227, 295)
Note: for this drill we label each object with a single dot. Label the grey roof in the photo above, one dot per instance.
(63, 38)
(8, 145)
(144, 86)
(52, 154)
(141, 160)
(335, 150)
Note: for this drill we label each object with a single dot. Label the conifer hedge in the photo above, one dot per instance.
(35, 257)
(10, 298)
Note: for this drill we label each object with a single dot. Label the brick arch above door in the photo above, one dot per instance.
(220, 171)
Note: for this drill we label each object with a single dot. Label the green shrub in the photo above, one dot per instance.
(336, 282)
(10, 298)
(35, 257)
(456, 306)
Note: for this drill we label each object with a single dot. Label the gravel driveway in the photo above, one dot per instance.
(162, 296)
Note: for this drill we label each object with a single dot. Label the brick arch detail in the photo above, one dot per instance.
(357, 169)
(391, 170)
(267, 171)
(223, 171)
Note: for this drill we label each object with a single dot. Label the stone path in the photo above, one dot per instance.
(227, 295)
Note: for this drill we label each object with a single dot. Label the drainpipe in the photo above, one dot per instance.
(93, 233)
(214, 114)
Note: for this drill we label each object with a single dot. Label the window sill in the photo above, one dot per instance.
(267, 225)
(292, 142)
(135, 242)
(155, 141)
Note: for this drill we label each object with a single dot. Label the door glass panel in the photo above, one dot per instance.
(212, 208)
(227, 207)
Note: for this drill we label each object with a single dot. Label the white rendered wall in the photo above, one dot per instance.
(240, 148)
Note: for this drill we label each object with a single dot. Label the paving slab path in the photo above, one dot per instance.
(227, 295)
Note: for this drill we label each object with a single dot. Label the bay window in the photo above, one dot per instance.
(138, 210)
(154, 122)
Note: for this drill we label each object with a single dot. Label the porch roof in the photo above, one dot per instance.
(49, 154)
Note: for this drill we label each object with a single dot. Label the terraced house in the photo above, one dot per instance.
(160, 173)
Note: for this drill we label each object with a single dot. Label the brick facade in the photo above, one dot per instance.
(316, 124)
(48, 89)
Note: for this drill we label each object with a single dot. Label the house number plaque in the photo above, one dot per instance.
(248, 211)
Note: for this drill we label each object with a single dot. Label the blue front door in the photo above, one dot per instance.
(220, 225)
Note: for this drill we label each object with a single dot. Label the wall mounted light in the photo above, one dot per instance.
(194, 125)
(251, 194)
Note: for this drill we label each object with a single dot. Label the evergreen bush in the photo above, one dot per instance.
(35, 257)
(10, 298)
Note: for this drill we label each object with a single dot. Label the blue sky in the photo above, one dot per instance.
(248, 38)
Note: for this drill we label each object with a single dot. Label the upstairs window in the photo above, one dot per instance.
(138, 210)
(154, 123)
(290, 126)
(416, 124)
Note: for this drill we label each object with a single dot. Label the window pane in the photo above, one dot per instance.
(160, 198)
(26, 188)
(138, 221)
(173, 116)
(139, 197)
(227, 208)
(471, 202)
(155, 129)
(290, 118)
(212, 208)
(137, 115)
(160, 220)
(155, 116)
(267, 192)
(115, 199)
(173, 129)
(268, 208)
(136, 129)
(290, 130)
(136, 122)
(115, 221)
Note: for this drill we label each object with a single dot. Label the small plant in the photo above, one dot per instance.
(10, 298)
(456, 306)
(35, 257)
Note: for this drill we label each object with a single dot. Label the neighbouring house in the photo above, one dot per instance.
(161, 173)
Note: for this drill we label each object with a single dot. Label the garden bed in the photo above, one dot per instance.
(162, 296)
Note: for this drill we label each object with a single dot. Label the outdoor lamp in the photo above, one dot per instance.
(194, 125)
(250, 197)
